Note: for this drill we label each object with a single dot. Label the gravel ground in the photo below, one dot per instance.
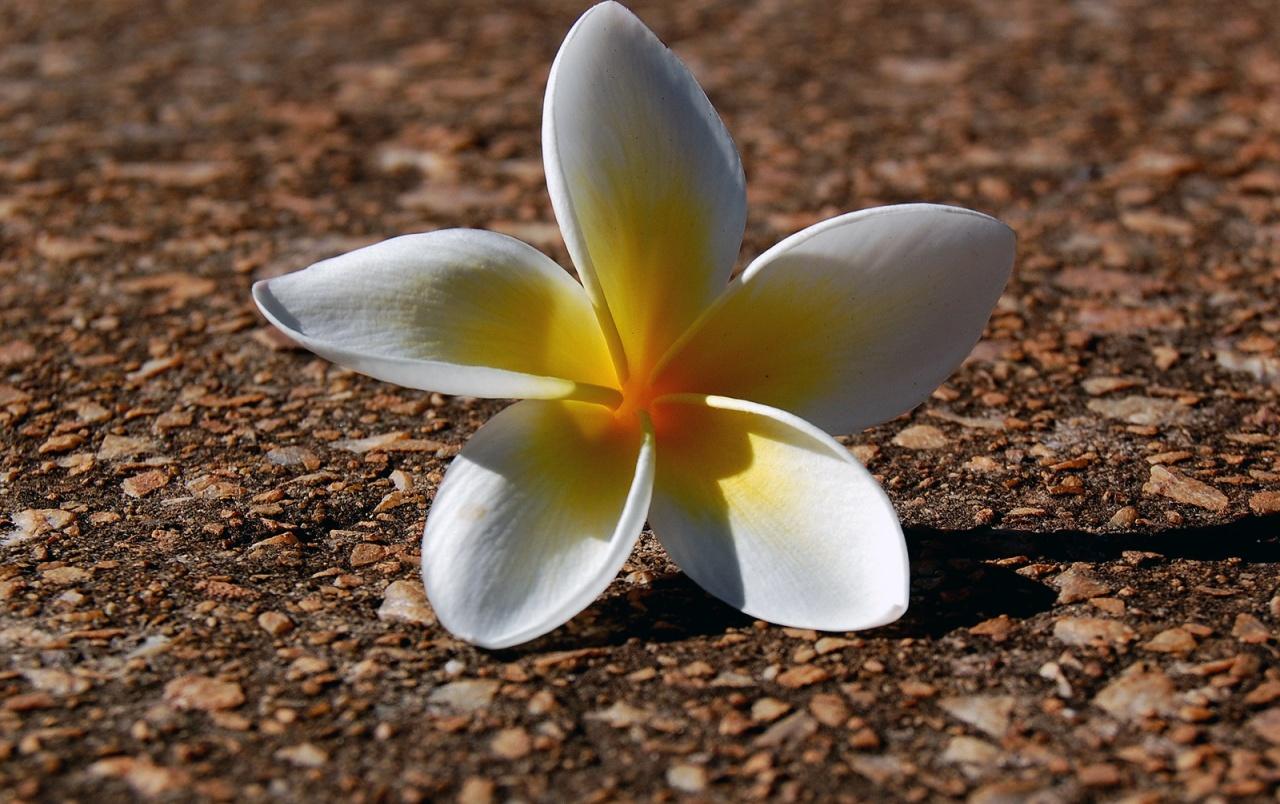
(208, 578)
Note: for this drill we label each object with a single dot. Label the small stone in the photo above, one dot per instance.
(1171, 640)
(1267, 725)
(32, 522)
(1078, 583)
(476, 790)
(465, 695)
(921, 436)
(29, 702)
(1100, 774)
(1141, 410)
(687, 778)
(366, 553)
(146, 778)
(406, 602)
(66, 575)
(982, 463)
(987, 713)
(917, 689)
(1250, 630)
(971, 751)
(1092, 631)
(792, 728)
(116, 447)
(621, 715)
(997, 628)
(294, 456)
(1140, 691)
(145, 483)
(864, 739)
(15, 353)
(767, 710)
(1097, 386)
(1265, 502)
(828, 709)
(802, 676)
(203, 693)
(1264, 693)
(513, 743)
(303, 755)
(1176, 486)
(1123, 517)
(275, 623)
(61, 443)
(57, 682)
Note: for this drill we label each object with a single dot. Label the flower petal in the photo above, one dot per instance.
(853, 320)
(772, 516)
(534, 519)
(459, 311)
(644, 178)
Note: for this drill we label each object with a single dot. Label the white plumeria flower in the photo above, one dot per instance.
(658, 387)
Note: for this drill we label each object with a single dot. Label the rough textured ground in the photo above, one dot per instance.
(208, 584)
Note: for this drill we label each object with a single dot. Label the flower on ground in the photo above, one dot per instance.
(658, 389)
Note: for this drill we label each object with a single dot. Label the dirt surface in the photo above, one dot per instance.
(208, 584)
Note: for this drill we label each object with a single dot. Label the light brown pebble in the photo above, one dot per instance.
(1171, 640)
(1265, 502)
(987, 713)
(476, 790)
(921, 436)
(203, 693)
(1250, 630)
(1092, 631)
(1140, 691)
(766, 710)
(513, 743)
(303, 755)
(687, 778)
(275, 623)
(141, 485)
(802, 676)
(406, 602)
(1176, 486)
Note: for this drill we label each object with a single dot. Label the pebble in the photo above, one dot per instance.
(294, 456)
(303, 755)
(57, 682)
(828, 709)
(1176, 486)
(921, 436)
(1250, 630)
(1175, 640)
(367, 553)
(1092, 631)
(1267, 725)
(767, 710)
(987, 713)
(1078, 583)
(476, 790)
(512, 743)
(687, 778)
(117, 447)
(275, 623)
(146, 778)
(1141, 410)
(203, 693)
(1265, 502)
(802, 676)
(621, 715)
(32, 522)
(465, 695)
(971, 751)
(143, 484)
(406, 602)
(1140, 691)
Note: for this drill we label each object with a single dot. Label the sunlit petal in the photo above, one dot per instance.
(854, 320)
(644, 178)
(534, 519)
(772, 516)
(459, 311)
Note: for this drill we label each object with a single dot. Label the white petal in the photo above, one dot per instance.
(534, 519)
(772, 516)
(644, 178)
(853, 320)
(459, 311)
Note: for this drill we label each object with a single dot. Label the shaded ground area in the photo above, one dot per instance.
(208, 583)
